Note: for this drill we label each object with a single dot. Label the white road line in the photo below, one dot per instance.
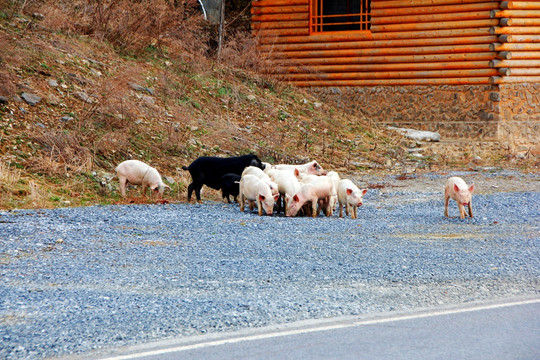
(319, 328)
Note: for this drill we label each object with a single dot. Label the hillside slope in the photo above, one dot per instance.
(74, 104)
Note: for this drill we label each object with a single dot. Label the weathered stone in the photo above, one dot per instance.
(417, 134)
(137, 87)
(3, 100)
(31, 99)
(84, 97)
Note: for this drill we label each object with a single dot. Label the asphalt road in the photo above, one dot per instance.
(509, 330)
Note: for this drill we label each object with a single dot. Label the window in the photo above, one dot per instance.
(339, 15)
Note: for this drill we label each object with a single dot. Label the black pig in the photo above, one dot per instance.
(208, 170)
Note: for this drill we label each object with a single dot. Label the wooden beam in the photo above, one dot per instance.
(519, 38)
(514, 14)
(530, 63)
(527, 30)
(376, 13)
(280, 25)
(380, 44)
(387, 82)
(514, 47)
(520, 22)
(411, 3)
(520, 5)
(520, 71)
(279, 9)
(392, 75)
(280, 17)
(436, 17)
(387, 59)
(504, 55)
(440, 25)
(452, 49)
(496, 80)
(272, 38)
(262, 3)
(383, 67)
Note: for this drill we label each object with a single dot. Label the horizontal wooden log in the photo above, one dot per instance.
(443, 25)
(389, 82)
(262, 3)
(459, 16)
(520, 5)
(280, 25)
(519, 38)
(265, 38)
(520, 72)
(529, 30)
(504, 22)
(280, 17)
(392, 75)
(504, 55)
(279, 9)
(514, 14)
(280, 32)
(530, 63)
(522, 55)
(383, 67)
(514, 47)
(452, 49)
(496, 80)
(410, 3)
(380, 44)
(520, 22)
(387, 59)
(376, 13)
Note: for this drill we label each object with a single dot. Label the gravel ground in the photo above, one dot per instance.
(81, 279)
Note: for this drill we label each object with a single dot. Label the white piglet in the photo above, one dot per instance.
(350, 196)
(458, 190)
(136, 172)
(252, 188)
(311, 167)
(253, 170)
(317, 191)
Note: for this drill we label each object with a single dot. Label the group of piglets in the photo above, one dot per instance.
(294, 189)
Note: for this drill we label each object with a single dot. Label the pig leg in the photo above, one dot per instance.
(340, 204)
(446, 201)
(461, 211)
(123, 184)
(190, 190)
(242, 201)
(259, 207)
(314, 209)
(354, 214)
(470, 209)
(347, 209)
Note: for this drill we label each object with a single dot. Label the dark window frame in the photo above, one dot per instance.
(324, 19)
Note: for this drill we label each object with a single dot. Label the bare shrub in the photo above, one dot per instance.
(8, 177)
(131, 26)
(37, 196)
(240, 51)
(62, 153)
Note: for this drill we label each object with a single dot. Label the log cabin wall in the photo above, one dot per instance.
(436, 65)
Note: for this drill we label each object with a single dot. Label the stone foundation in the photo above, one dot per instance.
(504, 116)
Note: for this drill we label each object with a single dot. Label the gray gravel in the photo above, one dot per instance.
(75, 280)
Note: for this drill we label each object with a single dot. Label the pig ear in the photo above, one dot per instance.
(471, 188)
(296, 172)
(296, 198)
(315, 165)
(364, 191)
(276, 197)
(456, 188)
(261, 197)
(349, 191)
